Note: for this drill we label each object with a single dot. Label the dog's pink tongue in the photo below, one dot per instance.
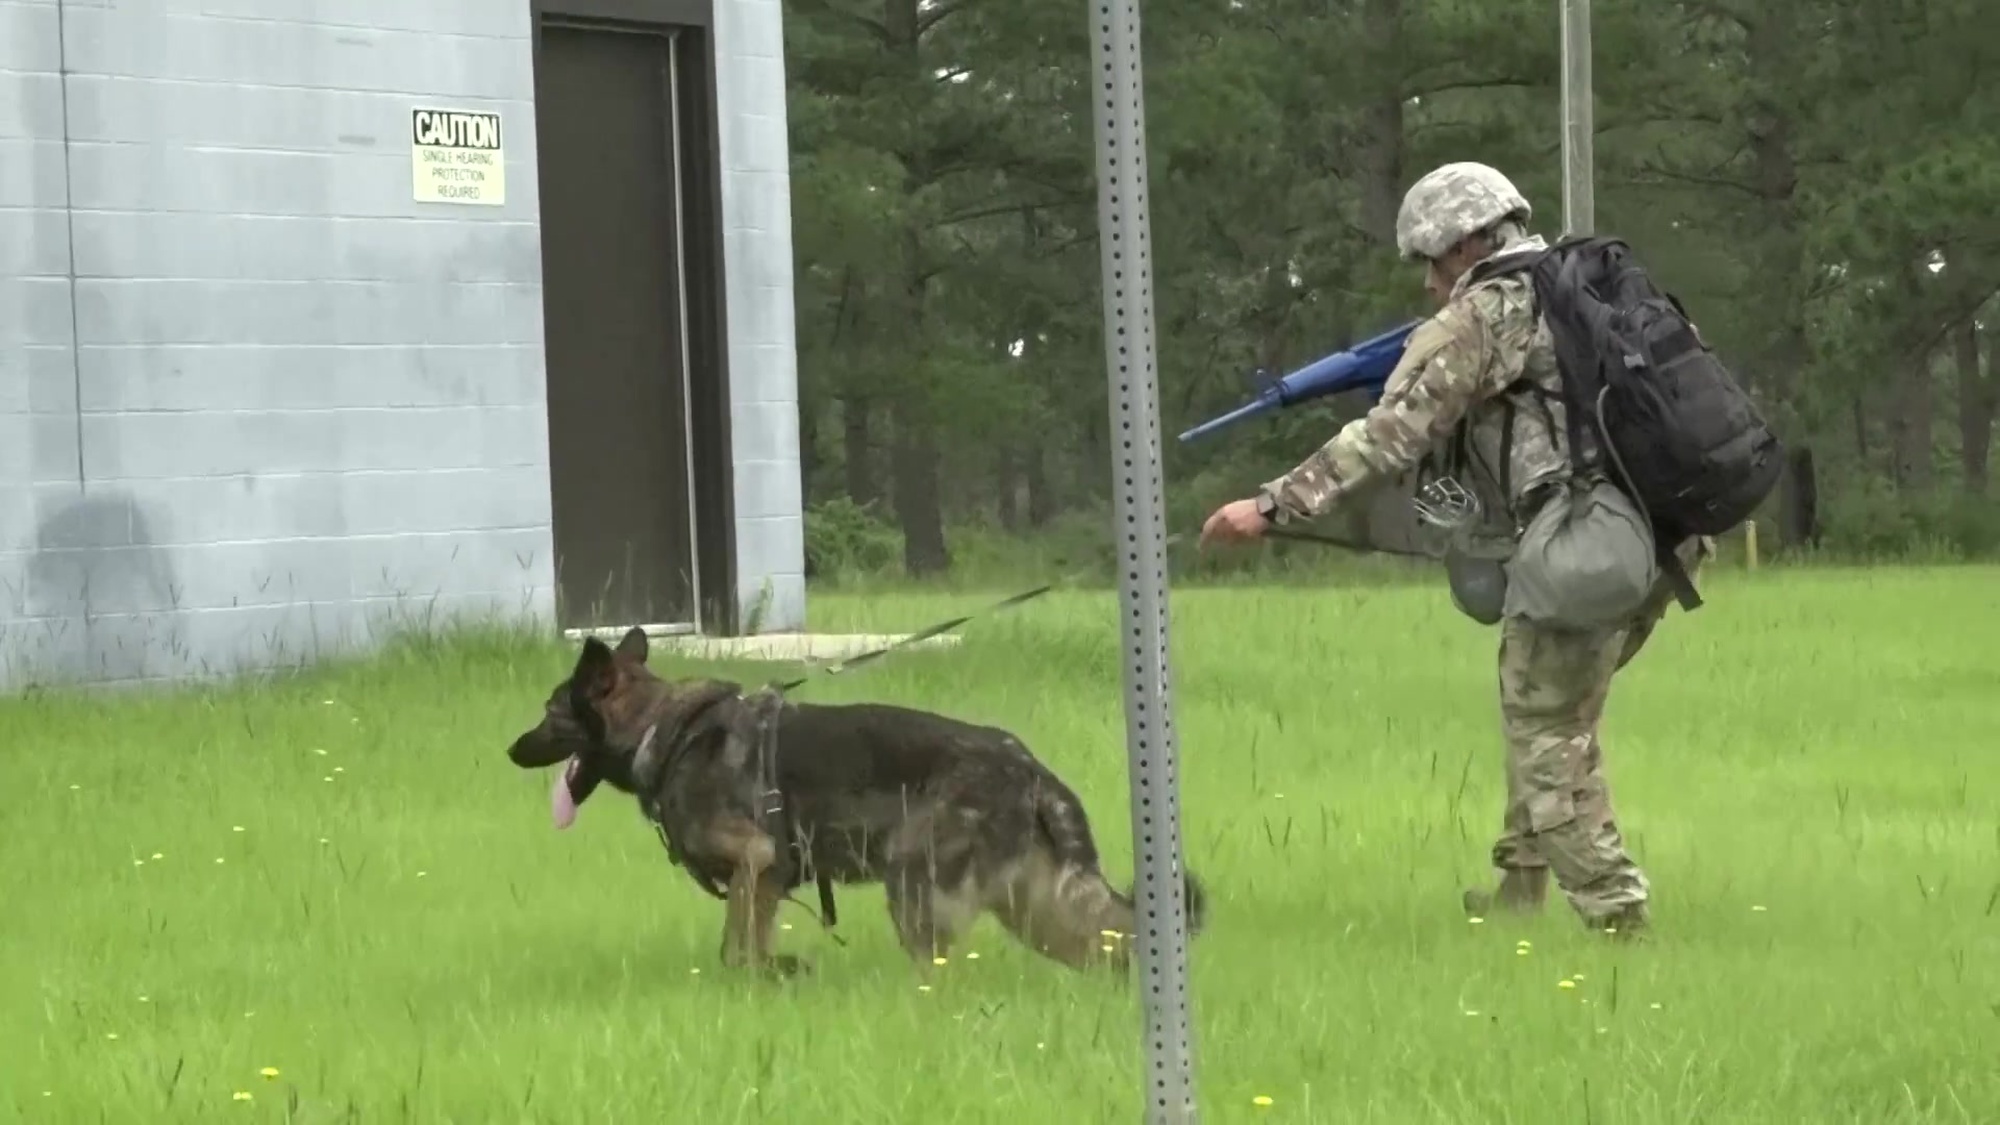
(561, 803)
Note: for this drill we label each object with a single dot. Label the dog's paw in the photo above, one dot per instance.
(784, 966)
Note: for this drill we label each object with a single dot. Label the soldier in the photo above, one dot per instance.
(1477, 393)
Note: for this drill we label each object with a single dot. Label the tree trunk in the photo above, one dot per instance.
(809, 456)
(914, 465)
(1978, 395)
(1771, 43)
(1092, 465)
(1035, 476)
(1911, 405)
(858, 451)
(1381, 156)
(914, 461)
(1798, 519)
(1911, 451)
(1007, 474)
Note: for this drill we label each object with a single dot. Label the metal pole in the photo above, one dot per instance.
(1125, 250)
(1579, 157)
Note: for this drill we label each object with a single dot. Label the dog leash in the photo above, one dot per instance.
(1026, 596)
(774, 805)
(1342, 544)
(918, 637)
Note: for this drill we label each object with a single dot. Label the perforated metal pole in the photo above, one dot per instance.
(1579, 128)
(1125, 247)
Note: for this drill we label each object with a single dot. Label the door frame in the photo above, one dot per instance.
(689, 29)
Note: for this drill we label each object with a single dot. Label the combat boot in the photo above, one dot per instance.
(1625, 924)
(1521, 890)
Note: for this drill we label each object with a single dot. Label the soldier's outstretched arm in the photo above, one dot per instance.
(1443, 372)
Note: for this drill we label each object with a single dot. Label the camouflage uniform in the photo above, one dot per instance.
(1485, 364)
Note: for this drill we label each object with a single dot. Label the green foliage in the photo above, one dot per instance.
(341, 877)
(1815, 178)
(845, 539)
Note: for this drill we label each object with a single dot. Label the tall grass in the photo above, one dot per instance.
(339, 877)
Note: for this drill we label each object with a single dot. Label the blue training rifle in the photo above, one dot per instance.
(1365, 367)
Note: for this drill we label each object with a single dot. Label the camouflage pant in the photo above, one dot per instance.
(1553, 685)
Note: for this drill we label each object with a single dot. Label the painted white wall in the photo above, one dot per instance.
(763, 355)
(255, 401)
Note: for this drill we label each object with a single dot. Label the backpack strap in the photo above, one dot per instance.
(1502, 264)
(1679, 578)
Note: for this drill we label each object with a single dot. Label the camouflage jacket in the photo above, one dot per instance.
(1475, 397)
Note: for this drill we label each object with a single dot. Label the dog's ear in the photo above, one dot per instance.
(596, 672)
(632, 646)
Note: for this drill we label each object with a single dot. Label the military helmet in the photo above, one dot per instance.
(1451, 202)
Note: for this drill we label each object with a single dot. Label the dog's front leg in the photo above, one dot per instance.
(754, 895)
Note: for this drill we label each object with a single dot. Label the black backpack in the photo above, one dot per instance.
(1684, 440)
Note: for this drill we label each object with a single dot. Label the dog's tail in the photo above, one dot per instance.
(1088, 903)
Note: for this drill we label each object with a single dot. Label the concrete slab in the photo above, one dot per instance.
(796, 648)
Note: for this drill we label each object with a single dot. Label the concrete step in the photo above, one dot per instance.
(807, 648)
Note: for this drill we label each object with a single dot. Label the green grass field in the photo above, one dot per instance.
(340, 877)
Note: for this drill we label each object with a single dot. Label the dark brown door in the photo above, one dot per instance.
(613, 311)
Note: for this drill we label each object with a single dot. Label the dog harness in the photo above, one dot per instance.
(772, 814)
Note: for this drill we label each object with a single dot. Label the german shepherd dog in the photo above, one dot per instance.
(755, 796)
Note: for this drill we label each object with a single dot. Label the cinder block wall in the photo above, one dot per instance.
(38, 430)
(255, 401)
(763, 357)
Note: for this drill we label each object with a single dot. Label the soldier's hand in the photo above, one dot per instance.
(1236, 521)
